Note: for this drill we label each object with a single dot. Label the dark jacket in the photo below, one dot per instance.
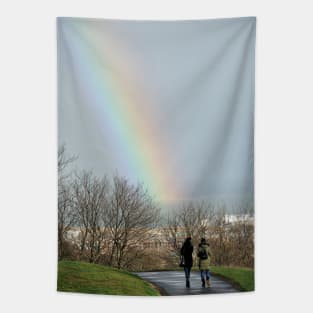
(186, 252)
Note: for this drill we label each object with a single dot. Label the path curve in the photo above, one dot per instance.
(173, 283)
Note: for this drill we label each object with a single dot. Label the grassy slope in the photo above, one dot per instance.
(98, 279)
(243, 277)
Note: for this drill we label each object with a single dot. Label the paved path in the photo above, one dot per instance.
(173, 283)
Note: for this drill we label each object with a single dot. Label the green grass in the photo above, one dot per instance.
(240, 277)
(98, 279)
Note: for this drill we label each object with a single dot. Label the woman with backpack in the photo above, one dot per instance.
(204, 255)
(186, 253)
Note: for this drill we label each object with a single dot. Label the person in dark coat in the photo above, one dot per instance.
(186, 252)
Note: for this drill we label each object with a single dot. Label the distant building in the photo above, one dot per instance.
(238, 218)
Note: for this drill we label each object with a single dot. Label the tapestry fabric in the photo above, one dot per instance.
(156, 156)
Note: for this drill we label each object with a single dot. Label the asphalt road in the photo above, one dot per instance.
(173, 283)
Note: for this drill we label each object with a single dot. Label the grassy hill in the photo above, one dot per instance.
(98, 279)
(243, 278)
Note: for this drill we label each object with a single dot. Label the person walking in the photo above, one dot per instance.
(204, 255)
(186, 252)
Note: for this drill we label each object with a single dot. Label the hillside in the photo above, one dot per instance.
(97, 279)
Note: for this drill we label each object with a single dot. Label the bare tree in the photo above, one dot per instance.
(172, 237)
(66, 216)
(63, 162)
(131, 216)
(196, 218)
(90, 204)
(193, 219)
(219, 238)
(171, 230)
(242, 244)
(232, 240)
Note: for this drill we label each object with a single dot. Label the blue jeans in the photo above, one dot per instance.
(205, 274)
(187, 272)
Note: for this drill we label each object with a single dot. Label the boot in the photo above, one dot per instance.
(187, 283)
(208, 283)
(203, 282)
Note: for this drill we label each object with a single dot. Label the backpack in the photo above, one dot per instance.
(202, 254)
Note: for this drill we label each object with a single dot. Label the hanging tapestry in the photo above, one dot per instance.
(155, 156)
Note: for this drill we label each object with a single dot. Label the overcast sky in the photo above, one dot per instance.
(167, 103)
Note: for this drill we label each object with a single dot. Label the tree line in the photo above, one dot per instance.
(114, 218)
(232, 243)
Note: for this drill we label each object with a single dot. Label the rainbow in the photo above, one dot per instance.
(114, 98)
